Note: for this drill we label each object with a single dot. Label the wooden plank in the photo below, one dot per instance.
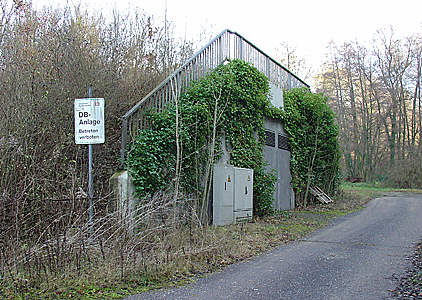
(320, 195)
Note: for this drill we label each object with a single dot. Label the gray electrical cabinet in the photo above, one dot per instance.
(232, 194)
(243, 194)
(222, 182)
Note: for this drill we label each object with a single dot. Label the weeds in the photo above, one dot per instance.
(156, 249)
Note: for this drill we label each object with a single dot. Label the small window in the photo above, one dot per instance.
(270, 138)
(283, 142)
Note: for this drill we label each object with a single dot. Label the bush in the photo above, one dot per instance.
(407, 173)
(48, 58)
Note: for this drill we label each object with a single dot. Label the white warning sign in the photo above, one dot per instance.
(89, 121)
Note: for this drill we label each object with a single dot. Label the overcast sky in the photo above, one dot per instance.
(308, 25)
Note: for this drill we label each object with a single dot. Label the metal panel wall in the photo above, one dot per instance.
(277, 96)
(279, 160)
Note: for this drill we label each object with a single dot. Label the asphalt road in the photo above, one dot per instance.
(355, 257)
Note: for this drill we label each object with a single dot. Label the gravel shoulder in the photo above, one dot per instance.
(409, 283)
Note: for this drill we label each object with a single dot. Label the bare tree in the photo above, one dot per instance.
(50, 57)
(375, 92)
(287, 55)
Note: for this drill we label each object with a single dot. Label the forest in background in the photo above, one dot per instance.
(375, 90)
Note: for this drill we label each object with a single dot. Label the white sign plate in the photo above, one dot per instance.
(89, 121)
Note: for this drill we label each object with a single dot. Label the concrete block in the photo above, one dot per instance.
(123, 200)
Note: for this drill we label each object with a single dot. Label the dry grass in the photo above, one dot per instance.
(164, 246)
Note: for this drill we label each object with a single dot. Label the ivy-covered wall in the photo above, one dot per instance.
(309, 122)
(231, 101)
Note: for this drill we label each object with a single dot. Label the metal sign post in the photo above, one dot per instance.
(89, 129)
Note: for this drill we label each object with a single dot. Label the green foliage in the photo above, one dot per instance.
(232, 101)
(152, 157)
(313, 140)
(150, 160)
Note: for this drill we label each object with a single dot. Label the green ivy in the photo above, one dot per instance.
(242, 92)
(150, 160)
(313, 134)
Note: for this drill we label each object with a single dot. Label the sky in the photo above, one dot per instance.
(308, 25)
